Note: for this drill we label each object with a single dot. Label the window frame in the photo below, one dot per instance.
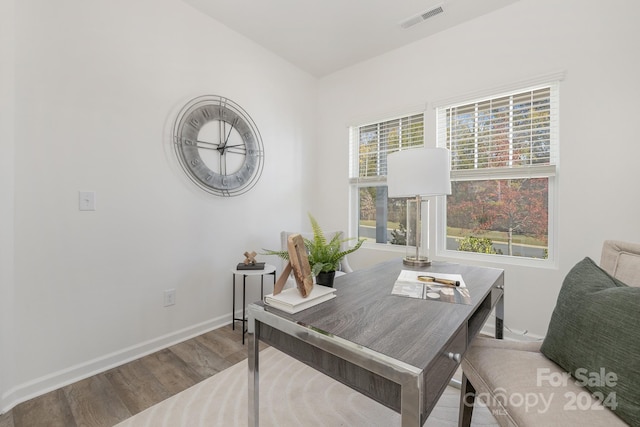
(533, 171)
(356, 182)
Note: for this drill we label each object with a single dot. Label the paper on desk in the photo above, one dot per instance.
(408, 285)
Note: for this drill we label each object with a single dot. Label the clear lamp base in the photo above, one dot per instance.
(416, 261)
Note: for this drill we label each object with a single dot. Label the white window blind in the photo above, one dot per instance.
(514, 131)
(371, 143)
(504, 154)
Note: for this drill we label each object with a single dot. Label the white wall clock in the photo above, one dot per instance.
(218, 145)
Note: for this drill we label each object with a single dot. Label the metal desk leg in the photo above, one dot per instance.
(411, 403)
(253, 354)
(500, 317)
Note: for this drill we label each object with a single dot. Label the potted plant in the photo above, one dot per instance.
(324, 255)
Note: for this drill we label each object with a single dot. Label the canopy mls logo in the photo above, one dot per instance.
(582, 400)
(540, 402)
(583, 376)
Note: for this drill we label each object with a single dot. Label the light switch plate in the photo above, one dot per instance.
(87, 200)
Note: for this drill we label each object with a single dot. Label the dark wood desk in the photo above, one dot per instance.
(401, 352)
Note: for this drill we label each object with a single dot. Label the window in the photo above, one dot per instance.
(376, 217)
(503, 165)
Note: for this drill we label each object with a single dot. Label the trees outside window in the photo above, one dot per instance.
(503, 162)
(381, 219)
(510, 213)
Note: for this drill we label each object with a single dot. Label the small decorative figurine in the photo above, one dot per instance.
(250, 262)
(250, 258)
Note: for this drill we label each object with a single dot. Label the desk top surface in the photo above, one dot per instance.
(409, 330)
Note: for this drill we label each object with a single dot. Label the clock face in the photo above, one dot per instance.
(218, 145)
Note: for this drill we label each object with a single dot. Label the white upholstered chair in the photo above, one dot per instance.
(497, 370)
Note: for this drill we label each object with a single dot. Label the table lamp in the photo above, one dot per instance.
(418, 172)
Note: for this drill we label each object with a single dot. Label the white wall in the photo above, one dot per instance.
(87, 103)
(97, 86)
(6, 195)
(597, 49)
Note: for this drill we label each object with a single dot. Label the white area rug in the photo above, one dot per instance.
(291, 394)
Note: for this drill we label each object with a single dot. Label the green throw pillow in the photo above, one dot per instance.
(594, 335)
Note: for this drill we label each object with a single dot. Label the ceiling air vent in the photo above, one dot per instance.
(422, 17)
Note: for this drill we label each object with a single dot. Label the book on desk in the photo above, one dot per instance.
(441, 287)
(290, 300)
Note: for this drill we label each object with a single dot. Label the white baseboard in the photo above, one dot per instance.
(55, 380)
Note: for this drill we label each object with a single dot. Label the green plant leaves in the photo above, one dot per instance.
(323, 255)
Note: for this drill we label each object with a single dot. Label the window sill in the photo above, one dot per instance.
(386, 247)
(498, 260)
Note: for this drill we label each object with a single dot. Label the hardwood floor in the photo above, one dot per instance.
(115, 395)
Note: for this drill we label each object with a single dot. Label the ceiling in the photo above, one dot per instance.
(323, 36)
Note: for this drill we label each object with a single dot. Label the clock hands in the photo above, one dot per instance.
(236, 150)
(213, 146)
(218, 145)
(223, 146)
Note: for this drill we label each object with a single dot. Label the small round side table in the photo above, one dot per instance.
(268, 269)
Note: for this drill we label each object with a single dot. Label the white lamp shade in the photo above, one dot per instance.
(418, 171)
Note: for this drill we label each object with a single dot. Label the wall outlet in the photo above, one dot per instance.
(169, 297)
